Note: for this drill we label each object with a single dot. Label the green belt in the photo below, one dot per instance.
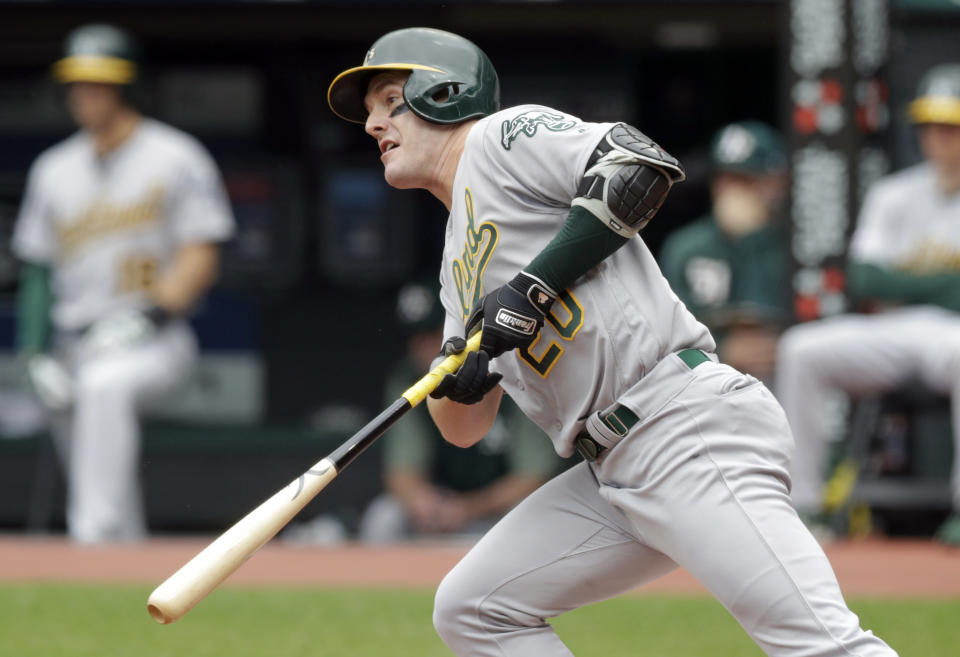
(693, 357)
(621, 419)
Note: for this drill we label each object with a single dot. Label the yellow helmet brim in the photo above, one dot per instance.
(935, 109)
(346, 92)
(95, 68)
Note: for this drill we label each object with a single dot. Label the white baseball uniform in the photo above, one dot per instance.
(695, 472)
(906, 224)
(107, 227)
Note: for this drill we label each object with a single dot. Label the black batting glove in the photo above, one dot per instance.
(511, 316)
(472, 381)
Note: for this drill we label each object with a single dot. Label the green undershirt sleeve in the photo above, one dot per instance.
(34, 299)
(582, 243)
(871, 282)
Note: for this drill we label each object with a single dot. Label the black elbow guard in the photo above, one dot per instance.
(627, 179)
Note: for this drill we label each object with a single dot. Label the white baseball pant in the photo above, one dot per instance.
(100, 436)
(701, 482)
(861, 354)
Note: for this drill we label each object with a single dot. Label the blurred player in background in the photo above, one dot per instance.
(730, 267)
(904, 261)
(118, 234)
(433, 487)
(685, 459)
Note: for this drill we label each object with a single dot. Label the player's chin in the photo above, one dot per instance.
(89, 120)
(399, 178)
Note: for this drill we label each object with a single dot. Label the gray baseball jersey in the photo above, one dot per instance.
(513, 188)
(702, 473)
(107, 226)
(906, 222)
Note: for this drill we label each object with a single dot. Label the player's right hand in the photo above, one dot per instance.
(472, 381)
(50, 381)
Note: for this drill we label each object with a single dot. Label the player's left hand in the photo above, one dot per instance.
(472, 381)
(511, 316)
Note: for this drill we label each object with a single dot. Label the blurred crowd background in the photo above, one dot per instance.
(301, 332)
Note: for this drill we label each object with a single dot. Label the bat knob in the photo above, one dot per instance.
(158, 614)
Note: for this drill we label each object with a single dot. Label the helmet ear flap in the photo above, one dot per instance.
(436, 99)
(445, 93)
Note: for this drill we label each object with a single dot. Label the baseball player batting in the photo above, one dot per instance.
(686, 459)
(118, 232)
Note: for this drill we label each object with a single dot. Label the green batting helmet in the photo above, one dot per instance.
(748, 147)
(938, 96)
(98, 53)
(451, 80)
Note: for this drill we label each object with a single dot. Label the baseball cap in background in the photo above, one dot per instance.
(938, 96)
(419, 308)
(748, 147)
(98, 53)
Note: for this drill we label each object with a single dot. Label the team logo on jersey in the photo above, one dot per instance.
(516, 322)
(104, 218)
(931, 256)
(528, 123)
(709, 280)
(478, 247)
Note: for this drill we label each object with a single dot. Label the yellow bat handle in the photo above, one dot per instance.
(419, 390)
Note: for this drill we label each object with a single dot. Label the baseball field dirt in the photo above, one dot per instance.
(871, 567)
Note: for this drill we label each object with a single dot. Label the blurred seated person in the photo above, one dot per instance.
(730, 267)
(904, 266)
(433, 487)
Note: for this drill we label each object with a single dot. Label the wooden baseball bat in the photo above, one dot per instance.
(199, 576)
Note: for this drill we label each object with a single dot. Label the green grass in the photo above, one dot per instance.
(45, 620)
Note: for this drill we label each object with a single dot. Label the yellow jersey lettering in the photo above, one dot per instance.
(468, 269)
(103, 218)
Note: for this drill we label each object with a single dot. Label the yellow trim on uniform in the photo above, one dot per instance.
(936, 109)
(350, 72)
(553, 352)
(95, 68)
(573, 316)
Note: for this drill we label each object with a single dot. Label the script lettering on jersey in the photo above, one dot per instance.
(528, 122)
(103, 217)
(932, 257)
(478, 247)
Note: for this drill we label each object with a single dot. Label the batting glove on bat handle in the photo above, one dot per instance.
(511, 316)
(472, 381)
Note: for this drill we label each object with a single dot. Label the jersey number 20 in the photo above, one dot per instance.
(570, 319)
